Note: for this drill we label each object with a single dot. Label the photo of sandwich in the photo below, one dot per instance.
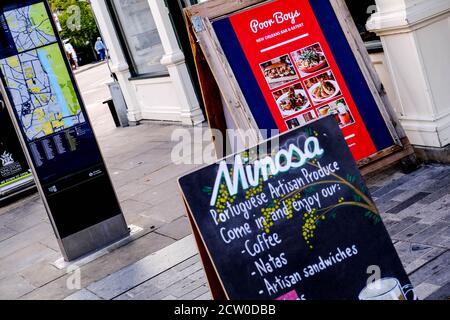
(279, 71)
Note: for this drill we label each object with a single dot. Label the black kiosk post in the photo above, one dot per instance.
(50, 117)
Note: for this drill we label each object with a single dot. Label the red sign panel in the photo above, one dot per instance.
(296, 70)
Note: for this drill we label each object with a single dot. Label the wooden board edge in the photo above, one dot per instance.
(215, 284)
(383, 160)
(215, 8)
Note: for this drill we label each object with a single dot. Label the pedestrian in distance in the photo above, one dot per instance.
(100, 48)
(71, 53)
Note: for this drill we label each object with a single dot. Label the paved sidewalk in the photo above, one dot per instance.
(415, 209)
(139, 162)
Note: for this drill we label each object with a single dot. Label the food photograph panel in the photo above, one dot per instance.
(291, 100)
(279, 71)
(309, 60)
(340, 110)
(323, 87)
(301, 120)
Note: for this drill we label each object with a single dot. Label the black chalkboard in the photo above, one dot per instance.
(304, 228)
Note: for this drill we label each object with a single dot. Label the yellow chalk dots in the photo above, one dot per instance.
(309, 226)
(222, 198)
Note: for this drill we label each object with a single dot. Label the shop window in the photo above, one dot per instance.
(139, 36)
(361, 11)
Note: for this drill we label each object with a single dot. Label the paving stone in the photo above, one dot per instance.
(424, 290)
(196, 293)
(398, 182)
(386, 206)
(441, 277)
(164, 192)
(436, 211)
(170, 172)
(168, 211)
(25, 257)
(402, 225)
(83, 294)
(413, 266)
(435, 228)
(154, 287)
(24, 239)
(139, 272)
(206, 296)
(39, 274)
(14, 287)
(407, 203)
(409, 252)
(6, 233)
(427, 272)
(103, 266)
(442, 293)
(438, 241)
(185, 286)
(177, 229)
(435, 196)
(411, 231)
(27, 222)
(389, 223)
(442, 182)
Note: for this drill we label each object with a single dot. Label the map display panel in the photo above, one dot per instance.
(42, 91)
(30, 27)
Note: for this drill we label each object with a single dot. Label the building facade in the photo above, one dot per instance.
(147, 58)
(408, 42)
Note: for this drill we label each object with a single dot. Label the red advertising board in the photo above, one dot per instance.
(296, 70)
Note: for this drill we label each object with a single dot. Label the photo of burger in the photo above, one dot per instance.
(279, 71)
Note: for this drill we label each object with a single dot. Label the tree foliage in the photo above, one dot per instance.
(77, 21)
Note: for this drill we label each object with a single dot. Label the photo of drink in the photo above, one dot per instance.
(340, 110)
(386, 289)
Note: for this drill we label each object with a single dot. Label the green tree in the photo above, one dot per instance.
(77, 21)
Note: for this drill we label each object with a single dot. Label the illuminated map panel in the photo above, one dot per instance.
(30, 27)
(42, 91)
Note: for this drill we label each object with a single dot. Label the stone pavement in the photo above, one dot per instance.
(160, 262)
(415, 209)
(139, 162)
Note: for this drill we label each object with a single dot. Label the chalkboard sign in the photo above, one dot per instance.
(292, 219)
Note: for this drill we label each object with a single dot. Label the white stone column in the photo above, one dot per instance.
(119, 64)
(174, 60)
(416, 40)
